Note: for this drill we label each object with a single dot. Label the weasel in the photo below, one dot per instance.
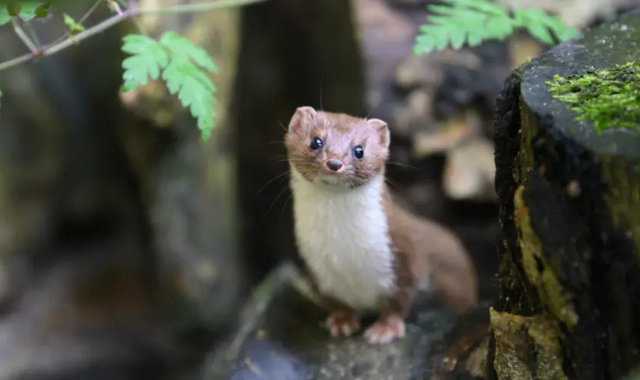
(362, 251)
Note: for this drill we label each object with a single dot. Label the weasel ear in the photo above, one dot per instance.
(302, 115)
(383, 130)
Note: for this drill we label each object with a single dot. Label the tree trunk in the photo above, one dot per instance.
(570, 215)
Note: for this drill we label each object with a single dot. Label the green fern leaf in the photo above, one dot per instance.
(5, 17)
(481, 5)
(534, 20)
(475, 21)
(183, 67)
(195, 91)
(148, 57)
(183, 47)
(537, 19)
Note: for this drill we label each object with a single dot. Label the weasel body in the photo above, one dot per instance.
(344, 239)
(363, 252)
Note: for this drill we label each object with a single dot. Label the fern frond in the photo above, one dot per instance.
(183, 67)
(472, 22)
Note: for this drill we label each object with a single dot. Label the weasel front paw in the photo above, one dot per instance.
(386, 329)
(342, 323)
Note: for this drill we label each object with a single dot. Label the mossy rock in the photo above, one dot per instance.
(568, 179)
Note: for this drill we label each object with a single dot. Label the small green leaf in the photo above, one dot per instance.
(5, 17)
(458, 37)
(25, 9)
(183, 47)
(43, 10)
(28, 9)
(195, 91)
(540, 32)
(475, 21)
(148, 57)
(183, 68)
(72, 24)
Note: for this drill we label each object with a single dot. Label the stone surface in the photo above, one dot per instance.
(282, 336)
(570, 222)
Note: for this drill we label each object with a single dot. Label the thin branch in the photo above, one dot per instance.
(34, 36)
(115, 6)
(108, 23)
(90, 11)
(23, 36)
(82, 19)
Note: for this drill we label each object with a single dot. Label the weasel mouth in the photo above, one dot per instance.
(330, 180)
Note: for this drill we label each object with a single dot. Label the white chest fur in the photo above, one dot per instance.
(343, 238)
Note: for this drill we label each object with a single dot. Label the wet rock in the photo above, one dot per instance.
(282, 337)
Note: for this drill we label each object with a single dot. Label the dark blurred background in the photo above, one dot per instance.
(128, 246)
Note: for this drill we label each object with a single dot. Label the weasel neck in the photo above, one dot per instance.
(343, 236)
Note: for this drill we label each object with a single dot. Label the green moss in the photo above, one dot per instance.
(518, 339)
(608, 98)
(557, 299)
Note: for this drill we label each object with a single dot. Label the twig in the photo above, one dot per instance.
(115, 6)
(82, 20)
(106, 24)
(23, 36)
(90, 11)
(32, 33)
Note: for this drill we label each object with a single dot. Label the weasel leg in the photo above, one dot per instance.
(343, 322)
(386, 329)
(342, 319)
(393, 310)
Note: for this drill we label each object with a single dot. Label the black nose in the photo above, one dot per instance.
(334, 165)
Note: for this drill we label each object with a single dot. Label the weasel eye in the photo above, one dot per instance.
(316, 143)
(358, 151)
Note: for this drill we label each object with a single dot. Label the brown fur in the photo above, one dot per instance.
(428, 251)
(340, 133)
(423, 249)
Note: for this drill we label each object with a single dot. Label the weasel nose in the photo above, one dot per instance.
(334, 165)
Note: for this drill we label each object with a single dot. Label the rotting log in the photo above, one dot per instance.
(570, 217)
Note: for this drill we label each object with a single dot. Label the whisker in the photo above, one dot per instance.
(401, 164)
(285, 206)
(390, 182)
(276, 200)
(271, 181)
(283, 127)
(295, 161)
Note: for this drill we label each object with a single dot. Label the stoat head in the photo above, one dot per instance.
(336, 150)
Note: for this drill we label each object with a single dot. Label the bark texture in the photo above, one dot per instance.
(570, 208)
